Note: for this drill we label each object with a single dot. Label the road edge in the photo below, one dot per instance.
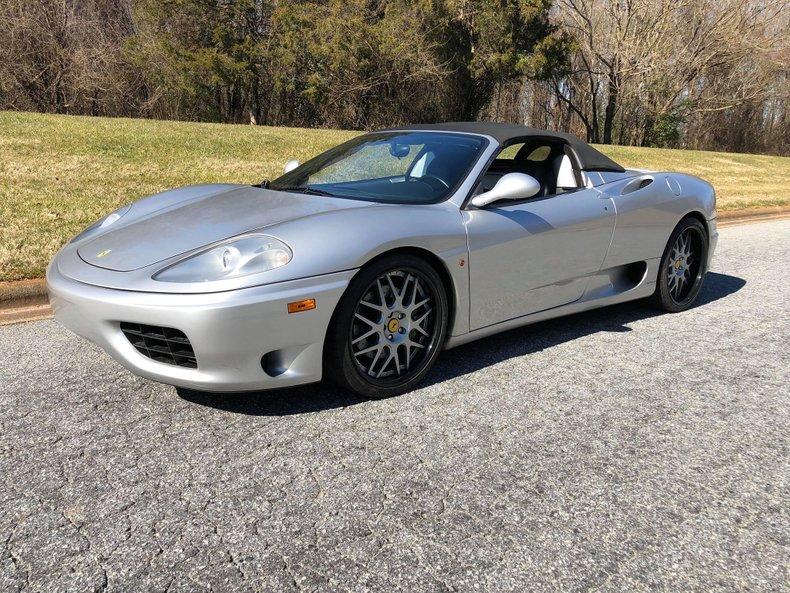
(732, 217)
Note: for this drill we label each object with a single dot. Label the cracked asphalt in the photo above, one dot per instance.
(616, 450)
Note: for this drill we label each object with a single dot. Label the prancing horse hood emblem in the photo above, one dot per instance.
(103, 253)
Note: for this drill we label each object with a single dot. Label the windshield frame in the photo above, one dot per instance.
(325, 159)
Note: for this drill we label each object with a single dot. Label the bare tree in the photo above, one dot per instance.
(639, 64)
(63, 56)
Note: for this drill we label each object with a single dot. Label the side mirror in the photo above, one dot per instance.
(290, 166)
(513, 186)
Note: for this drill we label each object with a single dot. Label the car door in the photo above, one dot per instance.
(535, 254)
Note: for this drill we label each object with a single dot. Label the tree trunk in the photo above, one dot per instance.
(255, 103)
(592, 129)
(611, 105)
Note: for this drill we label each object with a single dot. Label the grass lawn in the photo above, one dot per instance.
(60, 173)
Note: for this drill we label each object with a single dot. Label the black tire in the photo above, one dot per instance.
(347, 368)
(674, 295)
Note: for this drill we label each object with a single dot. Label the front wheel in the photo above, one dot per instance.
(683, 267)
(388, 328)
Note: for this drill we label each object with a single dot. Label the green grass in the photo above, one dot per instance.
(60, 173)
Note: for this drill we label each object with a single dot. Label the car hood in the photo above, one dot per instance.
(190, 218)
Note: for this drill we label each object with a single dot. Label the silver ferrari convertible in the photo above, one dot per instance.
(362, 264)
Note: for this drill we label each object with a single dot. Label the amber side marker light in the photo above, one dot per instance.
(300, 306)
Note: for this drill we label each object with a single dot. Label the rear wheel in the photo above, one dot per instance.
(388, 328)
(683, 267)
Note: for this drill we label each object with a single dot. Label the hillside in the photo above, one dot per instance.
(60, 173)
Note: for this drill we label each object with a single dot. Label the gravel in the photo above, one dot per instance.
(616, 450)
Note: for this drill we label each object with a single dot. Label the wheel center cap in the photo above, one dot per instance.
(393, 325)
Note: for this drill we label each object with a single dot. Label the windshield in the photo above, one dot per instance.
(394, 167)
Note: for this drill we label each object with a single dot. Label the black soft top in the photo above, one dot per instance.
(589, 158)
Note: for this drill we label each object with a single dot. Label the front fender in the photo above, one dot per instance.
(348, 239)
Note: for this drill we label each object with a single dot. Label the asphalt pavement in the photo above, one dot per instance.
(616, 450)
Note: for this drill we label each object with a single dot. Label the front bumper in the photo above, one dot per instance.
(230, 331)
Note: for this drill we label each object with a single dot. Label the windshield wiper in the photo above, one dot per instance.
(308, 190)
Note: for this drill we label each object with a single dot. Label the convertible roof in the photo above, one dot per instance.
(589, 158)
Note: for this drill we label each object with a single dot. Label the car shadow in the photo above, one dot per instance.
(463, 359)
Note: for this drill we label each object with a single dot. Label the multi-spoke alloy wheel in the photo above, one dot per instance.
(393, 324)
(393, 320)
(683, 266)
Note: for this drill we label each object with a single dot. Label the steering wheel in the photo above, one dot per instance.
(433, 181)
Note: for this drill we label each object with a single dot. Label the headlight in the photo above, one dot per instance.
(252, 254)
(102, 223)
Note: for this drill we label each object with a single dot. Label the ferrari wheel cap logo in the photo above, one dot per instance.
(103, 253)
(393, 325)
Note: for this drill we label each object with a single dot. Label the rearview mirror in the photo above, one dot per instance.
(399, 150)
(513, 186)
(290, 166)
